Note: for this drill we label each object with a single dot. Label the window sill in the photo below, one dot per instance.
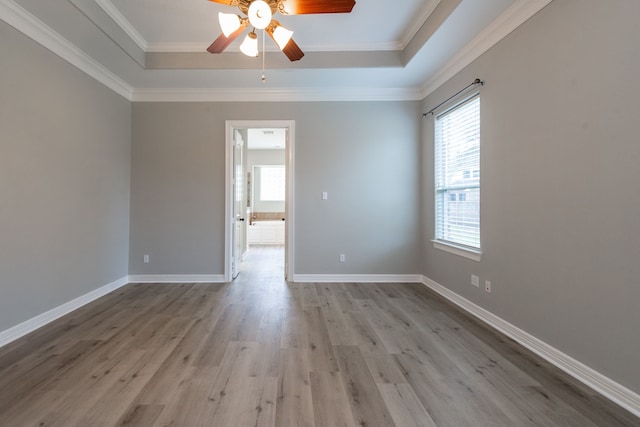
(474, 255)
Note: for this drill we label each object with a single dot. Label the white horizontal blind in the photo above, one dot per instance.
(457, 174)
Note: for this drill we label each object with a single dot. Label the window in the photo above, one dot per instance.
(272, 183)
(457, 175)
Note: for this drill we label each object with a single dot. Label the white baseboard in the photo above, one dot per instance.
(618, 393)
(358, 278)
(39, 321)
(177, 278)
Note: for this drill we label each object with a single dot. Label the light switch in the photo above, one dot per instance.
(325, 196)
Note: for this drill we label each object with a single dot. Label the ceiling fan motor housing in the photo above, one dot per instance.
(275, 5)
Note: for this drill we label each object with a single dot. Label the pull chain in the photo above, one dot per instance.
(264, 54)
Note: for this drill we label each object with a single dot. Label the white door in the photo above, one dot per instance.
(239, 205)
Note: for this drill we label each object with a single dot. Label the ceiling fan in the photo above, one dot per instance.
(259, 15)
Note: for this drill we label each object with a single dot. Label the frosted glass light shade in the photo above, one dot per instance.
(229, 23)
(259, 14)
(282, 36)
(250, 45)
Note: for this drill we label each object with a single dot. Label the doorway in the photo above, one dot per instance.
(259, 157)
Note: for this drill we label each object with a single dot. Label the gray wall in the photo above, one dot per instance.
(64, 181)
(363, 154)
(261, 158)
(560, 202)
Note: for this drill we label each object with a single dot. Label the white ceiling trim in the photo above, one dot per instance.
(191, 47)
(516, 15)
(32, 27)
(352, 47)
(181, 47)
(124, 23)
(275, 95)
(417, 23)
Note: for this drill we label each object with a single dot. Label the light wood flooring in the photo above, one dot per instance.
(263, 352)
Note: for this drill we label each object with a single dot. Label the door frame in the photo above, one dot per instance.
(230, 126)
(238, 150)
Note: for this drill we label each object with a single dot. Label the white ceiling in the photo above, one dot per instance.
(196, 22)
(266, 138)
(156, 49)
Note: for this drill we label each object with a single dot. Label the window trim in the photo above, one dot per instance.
(453, 248)
(469, 252)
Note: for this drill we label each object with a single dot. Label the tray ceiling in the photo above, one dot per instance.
(155, 49)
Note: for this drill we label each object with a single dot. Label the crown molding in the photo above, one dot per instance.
(350, 47)
(182, 47)
(38, 31)
(142, 43)
(516, 15)
(417, 23)
(124, 23)
(32, 27)
(191, 47)
(274, 95)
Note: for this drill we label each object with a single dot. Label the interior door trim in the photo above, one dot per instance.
(230, 126)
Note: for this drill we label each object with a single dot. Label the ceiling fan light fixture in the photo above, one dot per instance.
(259, 14)
(250, 45)
(282, 36)
(229, 23)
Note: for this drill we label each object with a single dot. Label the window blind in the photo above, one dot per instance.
(457, 174)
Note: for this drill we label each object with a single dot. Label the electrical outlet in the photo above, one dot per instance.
(487, 286)
(342, 258)
(146, 259)
(475, 280)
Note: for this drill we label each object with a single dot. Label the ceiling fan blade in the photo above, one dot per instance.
(225, 2)
(293, 51)
(222, 42)
(303, 7)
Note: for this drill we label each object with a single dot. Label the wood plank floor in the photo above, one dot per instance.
(263, 352)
